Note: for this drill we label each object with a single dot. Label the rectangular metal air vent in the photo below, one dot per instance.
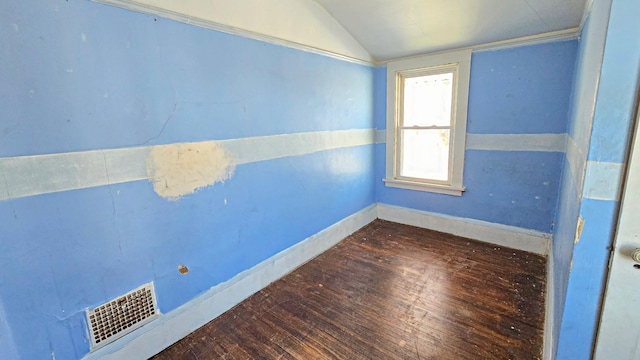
(122, 315)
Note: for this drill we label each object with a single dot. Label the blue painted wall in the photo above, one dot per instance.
(7, 345)
(136, 80)
(615, 108)
(86, 76)
(83, 76)
(524, 90)
(587, 76)
(583, 296)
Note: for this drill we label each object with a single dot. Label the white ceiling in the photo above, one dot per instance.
(390, 29)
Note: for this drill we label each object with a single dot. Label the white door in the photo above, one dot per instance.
(619, 332)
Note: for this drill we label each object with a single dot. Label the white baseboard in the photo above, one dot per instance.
(547, 352)
(498, 234)
(173, 326)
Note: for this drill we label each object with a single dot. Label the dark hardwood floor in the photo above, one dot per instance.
(389, 291)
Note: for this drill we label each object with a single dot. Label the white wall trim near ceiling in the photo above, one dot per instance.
(561, 35)
(183, 18)
(585, 13)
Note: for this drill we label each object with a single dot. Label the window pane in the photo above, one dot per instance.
(427, 100)
(425, 154)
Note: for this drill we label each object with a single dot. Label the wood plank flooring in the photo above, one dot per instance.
(389, 291)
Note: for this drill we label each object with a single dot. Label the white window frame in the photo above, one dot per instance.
(425, 65)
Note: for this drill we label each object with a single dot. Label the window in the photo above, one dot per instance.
(426, 122)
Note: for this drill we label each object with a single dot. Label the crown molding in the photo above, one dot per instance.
(560, 35)
(206, 24)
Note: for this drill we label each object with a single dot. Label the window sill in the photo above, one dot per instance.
(418, 186)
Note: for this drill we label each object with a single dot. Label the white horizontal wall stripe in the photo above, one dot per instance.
(517, 142)
(40, 174)
(576, 162)
(248, 150)
(507, 142)
(603, 180)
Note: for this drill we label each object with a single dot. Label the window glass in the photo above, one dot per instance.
(425, 154)
(427, 100)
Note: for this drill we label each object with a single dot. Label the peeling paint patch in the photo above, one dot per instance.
(182, 269)
(579, 227)
(181, 169)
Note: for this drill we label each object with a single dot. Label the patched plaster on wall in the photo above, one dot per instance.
(181, 169)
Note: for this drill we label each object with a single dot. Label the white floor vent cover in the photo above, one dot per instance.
(122, 315)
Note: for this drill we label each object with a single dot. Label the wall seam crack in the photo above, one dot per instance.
(164, 126)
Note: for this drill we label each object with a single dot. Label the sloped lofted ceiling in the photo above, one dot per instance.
(391, 29)
(297, 23)
(372, 30)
